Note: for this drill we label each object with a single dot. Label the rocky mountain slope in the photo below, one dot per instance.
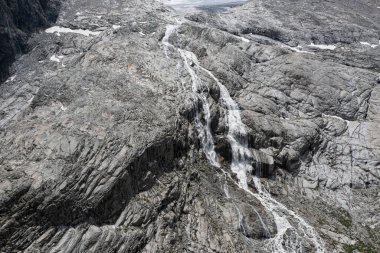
(129, 126)
(17, 20)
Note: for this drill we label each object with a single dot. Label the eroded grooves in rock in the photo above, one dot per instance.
(288, 238)
(130, 126)
(241, 165)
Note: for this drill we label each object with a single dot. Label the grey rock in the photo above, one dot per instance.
(99, 149)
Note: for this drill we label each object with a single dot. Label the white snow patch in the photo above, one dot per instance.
(142, 33)
(115, 27)
(58, 29)
(328, 47)
(55, 58)
(11, 79)
(369, 44)
(333, 116)
(63, 108)
(297, 49)
(243, 39)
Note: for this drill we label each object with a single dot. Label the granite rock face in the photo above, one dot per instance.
(100, 141)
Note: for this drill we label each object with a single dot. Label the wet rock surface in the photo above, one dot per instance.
(100, 149)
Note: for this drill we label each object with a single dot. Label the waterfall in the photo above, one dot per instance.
(241, 163)
(203, 117)
(241, 156)
(203, 126)
(165, 40)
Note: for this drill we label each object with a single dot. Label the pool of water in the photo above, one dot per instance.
(205, 5)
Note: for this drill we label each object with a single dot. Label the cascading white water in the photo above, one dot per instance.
(241, 165)
(279, 212)
(203, 117)
(165, 40)
(204, 128)
(242, 160)
(241, 156)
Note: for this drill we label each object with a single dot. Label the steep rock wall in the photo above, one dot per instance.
(17, 20)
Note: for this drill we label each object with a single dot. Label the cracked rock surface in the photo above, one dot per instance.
(100, 148)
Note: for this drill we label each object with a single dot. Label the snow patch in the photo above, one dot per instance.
(320, 46)
(115, 27)
(297, 49)
(369, 44)
(334, 117)
(11, 79)
(243, 39)
(58, 30)
(55, 58)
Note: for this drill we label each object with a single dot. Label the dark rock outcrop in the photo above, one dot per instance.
(18, 19)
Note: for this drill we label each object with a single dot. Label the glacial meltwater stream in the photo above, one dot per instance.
(290, 235)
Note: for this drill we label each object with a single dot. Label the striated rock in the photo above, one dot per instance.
(117, 133)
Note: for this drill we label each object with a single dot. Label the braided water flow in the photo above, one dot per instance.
(289, 237)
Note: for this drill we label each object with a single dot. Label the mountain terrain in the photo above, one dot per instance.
(190, 126)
